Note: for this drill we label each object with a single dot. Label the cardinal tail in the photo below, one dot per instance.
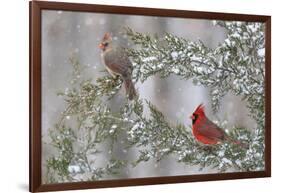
(130, 88)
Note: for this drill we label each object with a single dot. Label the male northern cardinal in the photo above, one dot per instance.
(117, 63)
(206, 131)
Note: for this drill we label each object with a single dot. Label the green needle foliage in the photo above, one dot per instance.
(88, 129)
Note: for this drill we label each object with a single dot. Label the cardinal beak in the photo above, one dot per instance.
(191, 117)
(101, 46)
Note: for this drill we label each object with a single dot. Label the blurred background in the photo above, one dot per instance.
(65, 34)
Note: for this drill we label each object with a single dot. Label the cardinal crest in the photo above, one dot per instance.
(200, 109)
(107, 36)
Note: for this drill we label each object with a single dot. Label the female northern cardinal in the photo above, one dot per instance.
(117, 63)
(206, 131)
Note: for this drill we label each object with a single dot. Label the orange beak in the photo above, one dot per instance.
(191, 117)
(101, 46)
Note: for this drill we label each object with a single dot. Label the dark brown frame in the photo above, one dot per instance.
(35, 8)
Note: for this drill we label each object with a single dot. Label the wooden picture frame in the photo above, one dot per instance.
(35, 179)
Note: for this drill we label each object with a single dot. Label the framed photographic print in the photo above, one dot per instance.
(123, 96)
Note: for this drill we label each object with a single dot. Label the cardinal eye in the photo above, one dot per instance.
(195, 116)
(105, 44)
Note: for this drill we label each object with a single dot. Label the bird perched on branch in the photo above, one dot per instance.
(117, 63)
(207, 132)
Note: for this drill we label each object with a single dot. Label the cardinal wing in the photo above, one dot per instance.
(118, 62)
(210, 130)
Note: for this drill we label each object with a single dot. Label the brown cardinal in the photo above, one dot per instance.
(206, 131)
(117, 63)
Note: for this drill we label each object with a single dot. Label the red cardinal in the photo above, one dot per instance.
(206, 131)
(117, 63)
